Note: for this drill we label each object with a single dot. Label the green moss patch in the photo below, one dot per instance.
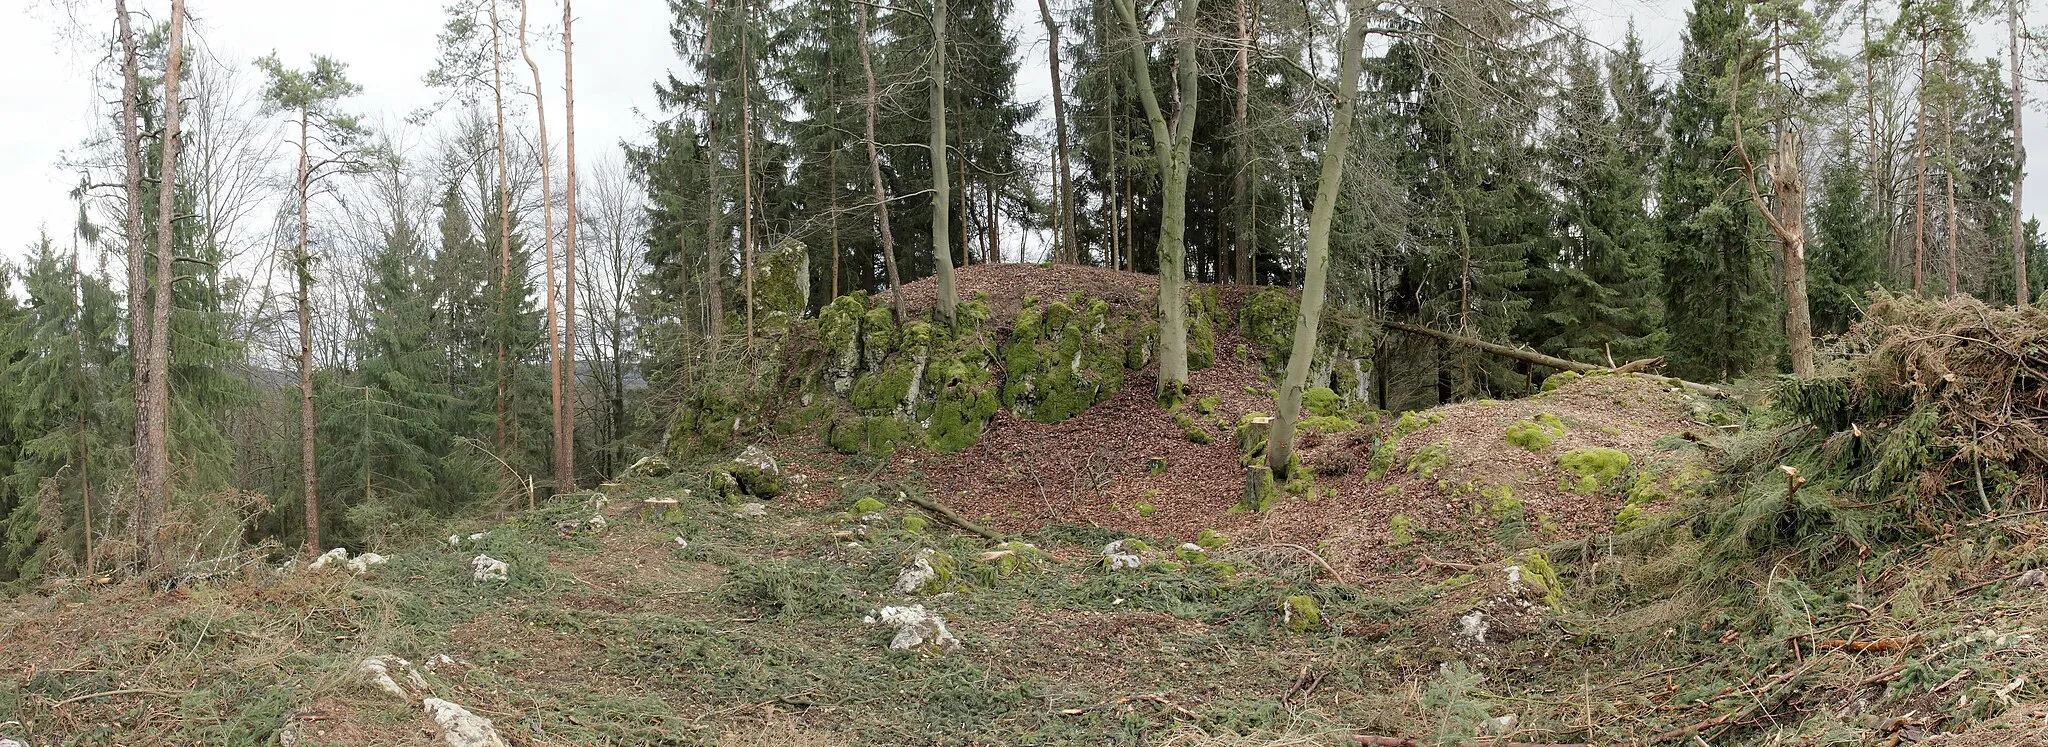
(1064, 357)
(1537, 433)
(1591, 468)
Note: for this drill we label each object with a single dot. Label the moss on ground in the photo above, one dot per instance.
(1592, 468)
(1536, 433)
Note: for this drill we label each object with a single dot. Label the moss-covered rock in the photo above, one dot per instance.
(1322, 401)
(1203, 308)
(782, 286)
(1591, 468)
(839, 333)
(1536, 433)
(1064, 357)
(1300, 613)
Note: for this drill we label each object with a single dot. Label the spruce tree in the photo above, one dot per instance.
(1848, 247)
(1717, 299)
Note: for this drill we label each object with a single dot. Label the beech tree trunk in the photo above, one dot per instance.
(867, 66)
(565, 450)
(1280, 440)
(547, 214)
(942, 240)
(1170, 146)
(1069, 246)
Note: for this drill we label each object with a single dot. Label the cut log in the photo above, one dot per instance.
(946, 513)
(1534, 358)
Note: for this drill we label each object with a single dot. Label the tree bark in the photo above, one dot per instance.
(2019, 155)
(565, 460)
(1280, 441)
(1242, 250)
(308, 484)
(138, 261)
(504, 226)
(1171, 147)
(941, 229)
(1790, 189)
(1948, 148)
(1920, 184)
(1069, 247)
(714, 244)
(867, 66)
(747, 167)
(156, 491)
(547, 213)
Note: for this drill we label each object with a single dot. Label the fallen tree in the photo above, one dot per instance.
(1539, 359)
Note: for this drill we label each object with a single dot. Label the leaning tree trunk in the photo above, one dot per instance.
(156, 490)
(1171, 147)
(1070, 248)
(2019, 156)
(1280, 440)
(565, 449)
(941, 231)
(547, 214)
(867, 66)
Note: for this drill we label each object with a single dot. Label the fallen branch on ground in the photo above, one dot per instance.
(1550, 361)
(947, 514)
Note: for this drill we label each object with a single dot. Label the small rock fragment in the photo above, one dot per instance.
(488, 568)
(759, 458)
(682, 543)
(751, 510)
(384, 672)
(596, 523)
(2036, 577)
(917, 628)
(917, 574)
(1499, 726)
(336, 556)
(459, 727)
(1118, 558)
(361, 564)
(441, 661)
(652, 466)
(11, 743)
(1473, 626)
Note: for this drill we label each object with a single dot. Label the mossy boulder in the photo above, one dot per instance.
(1203, 309)
(1064, 357)
(1536, 433)
(1589, 469)
(1344, 343)
(782, 286)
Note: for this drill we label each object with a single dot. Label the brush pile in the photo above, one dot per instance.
(1937, 404)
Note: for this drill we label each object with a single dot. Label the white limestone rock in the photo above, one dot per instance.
(1118, 557)
(459, 727)
(487, 568)
(391, 675)
(917, 628)
(331, 558)
(920, 572)
(361, 564)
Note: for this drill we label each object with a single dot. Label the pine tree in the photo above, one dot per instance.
(1717, 300)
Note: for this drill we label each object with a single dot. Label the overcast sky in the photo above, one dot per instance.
(622, 48)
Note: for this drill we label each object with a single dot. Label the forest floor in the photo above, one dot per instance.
(1439, 582)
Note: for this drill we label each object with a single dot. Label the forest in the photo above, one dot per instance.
(275, 326)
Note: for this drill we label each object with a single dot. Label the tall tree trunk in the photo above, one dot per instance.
(504, 229)
(1790, 189)
(1878, 190)
(2019, 155)
(1948, 148)
(138, 261)
(1242, 249)
(714, 244)
(1069, 247)
(547, 214)
(565, 458)
(832, 177)
(867, 67)
(308, 485)
(966, 193)
(942, 241)
(747, 167)
(158, 490)
(1280, 440)
(995, 228)
(1171, 147)
(1920, 184)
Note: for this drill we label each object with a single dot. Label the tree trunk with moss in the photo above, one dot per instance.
(942, 239)
(1280, 442)
(1171, 145)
